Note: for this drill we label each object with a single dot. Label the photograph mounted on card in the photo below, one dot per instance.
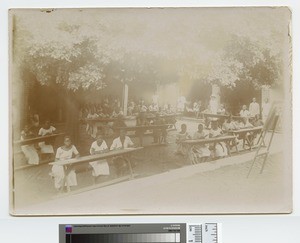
(118, 111)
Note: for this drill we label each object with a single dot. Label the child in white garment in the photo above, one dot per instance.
(220, 150)
(201, 152)
(99, 167)
(121, 142)
(46, 147)
(65, 152)
(29, 150)
(180, 137)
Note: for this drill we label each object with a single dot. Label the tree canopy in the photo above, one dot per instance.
(88, 48)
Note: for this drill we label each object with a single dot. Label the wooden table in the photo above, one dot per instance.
(242, 133)
(101, 119)
(143, 129)
(124, 153)
(191, 142)
(221, 116)
(164, 116)
(38, 139)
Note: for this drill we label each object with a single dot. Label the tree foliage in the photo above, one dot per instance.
(77, 49)
(245, 60)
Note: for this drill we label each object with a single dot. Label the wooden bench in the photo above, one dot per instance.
(142, 129)
(192, 142)
(124, 153)
(242, 134)
(224, 116)
(38, 139)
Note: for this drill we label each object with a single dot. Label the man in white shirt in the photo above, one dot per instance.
(254, 108)
(244, 112)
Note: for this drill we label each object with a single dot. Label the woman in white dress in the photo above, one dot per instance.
(220, 149)
(99, 167)
(65, 152)
(45, 130)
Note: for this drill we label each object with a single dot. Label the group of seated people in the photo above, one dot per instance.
(106, 108)
(142, 119)
(215, 129)
(136, 108)
(43, 150)
(99, 168)
(113, 109)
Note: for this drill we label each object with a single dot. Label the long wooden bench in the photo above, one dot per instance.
(38, 139)
(242, 134)
(124, 153)
(192, 142)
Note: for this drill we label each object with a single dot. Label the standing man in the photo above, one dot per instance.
(254, 108)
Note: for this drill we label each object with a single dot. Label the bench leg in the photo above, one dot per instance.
(127, 159)
(65, 182)
(228, 148)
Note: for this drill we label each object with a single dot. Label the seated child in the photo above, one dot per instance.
(29, 150)
(249, 135)
(65, 152)
(220, 149)
(200, 152)
(221, 110)
(229, 125)
(257, 122)
(121, 142)
(46, 129)
(99, 167)
(182, 136)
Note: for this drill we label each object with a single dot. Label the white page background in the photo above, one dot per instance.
(236, 229)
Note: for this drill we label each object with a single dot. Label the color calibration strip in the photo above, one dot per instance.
(126, 238)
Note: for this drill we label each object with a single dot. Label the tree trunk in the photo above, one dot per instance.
(125, 98)
(215, 98)
(72, 116)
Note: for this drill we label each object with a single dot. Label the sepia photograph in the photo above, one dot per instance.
(142, 111)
